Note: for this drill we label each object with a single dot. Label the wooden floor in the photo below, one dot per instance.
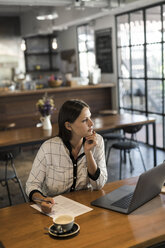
(23, 164)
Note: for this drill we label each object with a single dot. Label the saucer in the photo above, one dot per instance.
(73, 232)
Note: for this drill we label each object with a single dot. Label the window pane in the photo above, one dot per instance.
(153, 25)
(83, 65)
(124, 62)
(90, 45)
(87, 62)
(82, 47)
(123, 30)
(141, 135)
(85, 38)
(91, 60)
(163, 83)
(86, 49)
(82, 38)
(164, 58)
(137, 53)
(81, 31)
(137, 28)
(125, 93)
(138, 89)
(164, 22)
(159, 131)
(155, 96)
(90, 38)
(154, 61)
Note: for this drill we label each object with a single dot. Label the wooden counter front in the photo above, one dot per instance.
(19, 107)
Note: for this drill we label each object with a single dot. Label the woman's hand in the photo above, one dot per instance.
(47, 205)
(91, 141)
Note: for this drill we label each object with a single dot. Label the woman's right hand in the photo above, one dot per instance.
(47, 206)
(46, 203)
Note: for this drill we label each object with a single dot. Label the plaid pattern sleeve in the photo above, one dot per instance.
(99, 156)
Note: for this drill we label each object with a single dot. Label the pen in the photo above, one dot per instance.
(41, 200)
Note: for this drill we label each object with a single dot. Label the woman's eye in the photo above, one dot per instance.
(85, 120)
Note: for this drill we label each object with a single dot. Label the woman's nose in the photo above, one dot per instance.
(90, 123)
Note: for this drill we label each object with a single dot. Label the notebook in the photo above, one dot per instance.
(127, 198)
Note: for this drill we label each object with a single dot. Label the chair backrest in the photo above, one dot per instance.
(132, 129)
(8, 154)
(7, 126)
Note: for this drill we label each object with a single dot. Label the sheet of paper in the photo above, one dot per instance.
(64, 205)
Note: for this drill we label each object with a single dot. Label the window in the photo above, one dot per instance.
(141, 68)
(86, 49)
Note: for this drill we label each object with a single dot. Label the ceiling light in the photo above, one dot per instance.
(47, 16)
(54, 44)
(23, 45)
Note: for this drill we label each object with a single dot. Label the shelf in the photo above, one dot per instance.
(39, 56)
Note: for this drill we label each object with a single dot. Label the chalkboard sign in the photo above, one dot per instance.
(103, 39)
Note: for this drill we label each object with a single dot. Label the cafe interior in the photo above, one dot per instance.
(110, 54)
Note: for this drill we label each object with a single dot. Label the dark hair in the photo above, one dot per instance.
(69, 111)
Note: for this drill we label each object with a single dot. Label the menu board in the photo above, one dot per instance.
(103, 41)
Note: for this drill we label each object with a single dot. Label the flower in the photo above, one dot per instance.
(45, 105)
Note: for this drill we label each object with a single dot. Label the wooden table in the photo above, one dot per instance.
(102, 124)
(23, 226)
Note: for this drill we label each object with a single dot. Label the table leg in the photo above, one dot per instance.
(154, 143)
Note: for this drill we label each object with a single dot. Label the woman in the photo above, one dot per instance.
(73, 160)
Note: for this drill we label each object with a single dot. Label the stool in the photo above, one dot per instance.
(109, 137)
(127, 146)
(8, 172)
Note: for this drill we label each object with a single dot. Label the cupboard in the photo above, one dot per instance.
(39, 54)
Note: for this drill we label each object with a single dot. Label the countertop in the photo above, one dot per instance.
(62, 88)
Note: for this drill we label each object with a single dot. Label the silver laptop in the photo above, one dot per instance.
(127, 198)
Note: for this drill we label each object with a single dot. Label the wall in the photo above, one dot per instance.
(67, 40)
(11, 56)
(103, 23)
(31, 26)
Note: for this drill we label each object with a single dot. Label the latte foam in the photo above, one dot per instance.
(64, 219)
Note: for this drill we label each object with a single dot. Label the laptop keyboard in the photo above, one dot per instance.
(123, 202)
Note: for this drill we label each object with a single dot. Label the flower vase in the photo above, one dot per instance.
(46, 123)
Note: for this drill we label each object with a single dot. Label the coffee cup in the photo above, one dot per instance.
(63, 223)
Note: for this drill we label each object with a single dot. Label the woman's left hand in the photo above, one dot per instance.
(91, 141)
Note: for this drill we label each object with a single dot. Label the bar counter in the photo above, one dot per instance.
(56, 89)
(19, 107)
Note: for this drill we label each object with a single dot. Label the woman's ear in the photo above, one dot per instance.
(67, 126)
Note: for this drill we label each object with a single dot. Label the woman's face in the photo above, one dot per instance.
(83, 125)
